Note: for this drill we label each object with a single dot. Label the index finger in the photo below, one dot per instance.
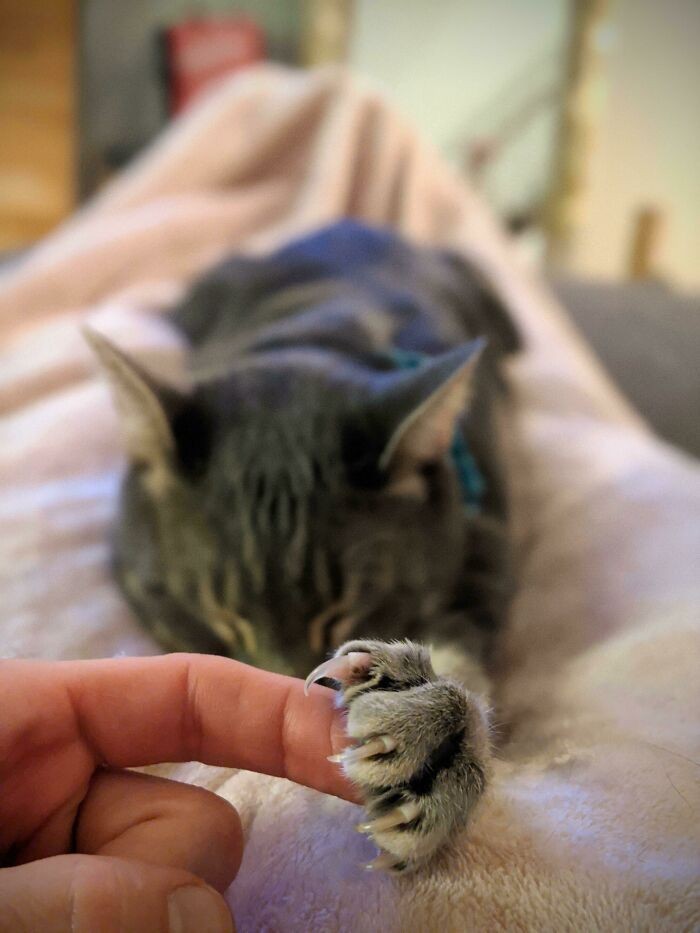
(139, 711)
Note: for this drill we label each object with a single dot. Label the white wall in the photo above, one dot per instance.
(647, 150)
(446, 62)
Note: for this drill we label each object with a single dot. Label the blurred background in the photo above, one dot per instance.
(578, 120)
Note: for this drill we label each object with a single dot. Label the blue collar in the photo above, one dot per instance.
(469, 475)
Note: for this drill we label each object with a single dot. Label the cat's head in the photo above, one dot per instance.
(274, 513)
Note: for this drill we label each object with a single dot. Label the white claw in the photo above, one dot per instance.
(342, 668)
(405, 813)
(383, 862)
(379, 746)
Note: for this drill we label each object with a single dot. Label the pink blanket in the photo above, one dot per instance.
(593, 818)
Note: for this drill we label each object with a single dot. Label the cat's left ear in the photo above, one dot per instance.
(140, 403)
(429, 403)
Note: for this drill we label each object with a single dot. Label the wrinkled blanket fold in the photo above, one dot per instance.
(593, 819)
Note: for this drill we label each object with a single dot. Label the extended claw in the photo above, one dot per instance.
(384, 862)
(405, 813)
(379, 746)
(343, 669)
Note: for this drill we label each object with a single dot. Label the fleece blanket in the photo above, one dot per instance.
(592, 822)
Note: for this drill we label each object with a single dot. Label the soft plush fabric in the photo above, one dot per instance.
(592, 820)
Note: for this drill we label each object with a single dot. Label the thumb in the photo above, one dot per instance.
(84, 893)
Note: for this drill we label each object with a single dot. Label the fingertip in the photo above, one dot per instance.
(314, 730)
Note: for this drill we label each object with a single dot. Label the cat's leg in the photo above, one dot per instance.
(423, 750)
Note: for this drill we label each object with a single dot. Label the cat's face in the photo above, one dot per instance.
(274, 514)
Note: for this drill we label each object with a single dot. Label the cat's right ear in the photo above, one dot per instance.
(140, 404)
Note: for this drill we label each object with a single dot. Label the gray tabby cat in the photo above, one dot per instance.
(322, 483)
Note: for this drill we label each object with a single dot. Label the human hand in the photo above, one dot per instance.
(86, 845)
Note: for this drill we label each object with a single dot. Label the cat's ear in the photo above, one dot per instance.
(426, 406)
(139, 401)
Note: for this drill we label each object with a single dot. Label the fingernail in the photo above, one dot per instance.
(195, 909)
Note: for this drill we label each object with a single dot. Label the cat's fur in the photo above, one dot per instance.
(303, 493)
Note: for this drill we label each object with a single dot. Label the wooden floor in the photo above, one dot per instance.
(37, 117)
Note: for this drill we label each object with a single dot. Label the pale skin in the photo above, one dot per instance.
(86, 845)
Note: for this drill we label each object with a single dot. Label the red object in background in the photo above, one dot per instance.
(199, 52)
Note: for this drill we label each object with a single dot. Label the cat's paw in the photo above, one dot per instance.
(422, 752)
